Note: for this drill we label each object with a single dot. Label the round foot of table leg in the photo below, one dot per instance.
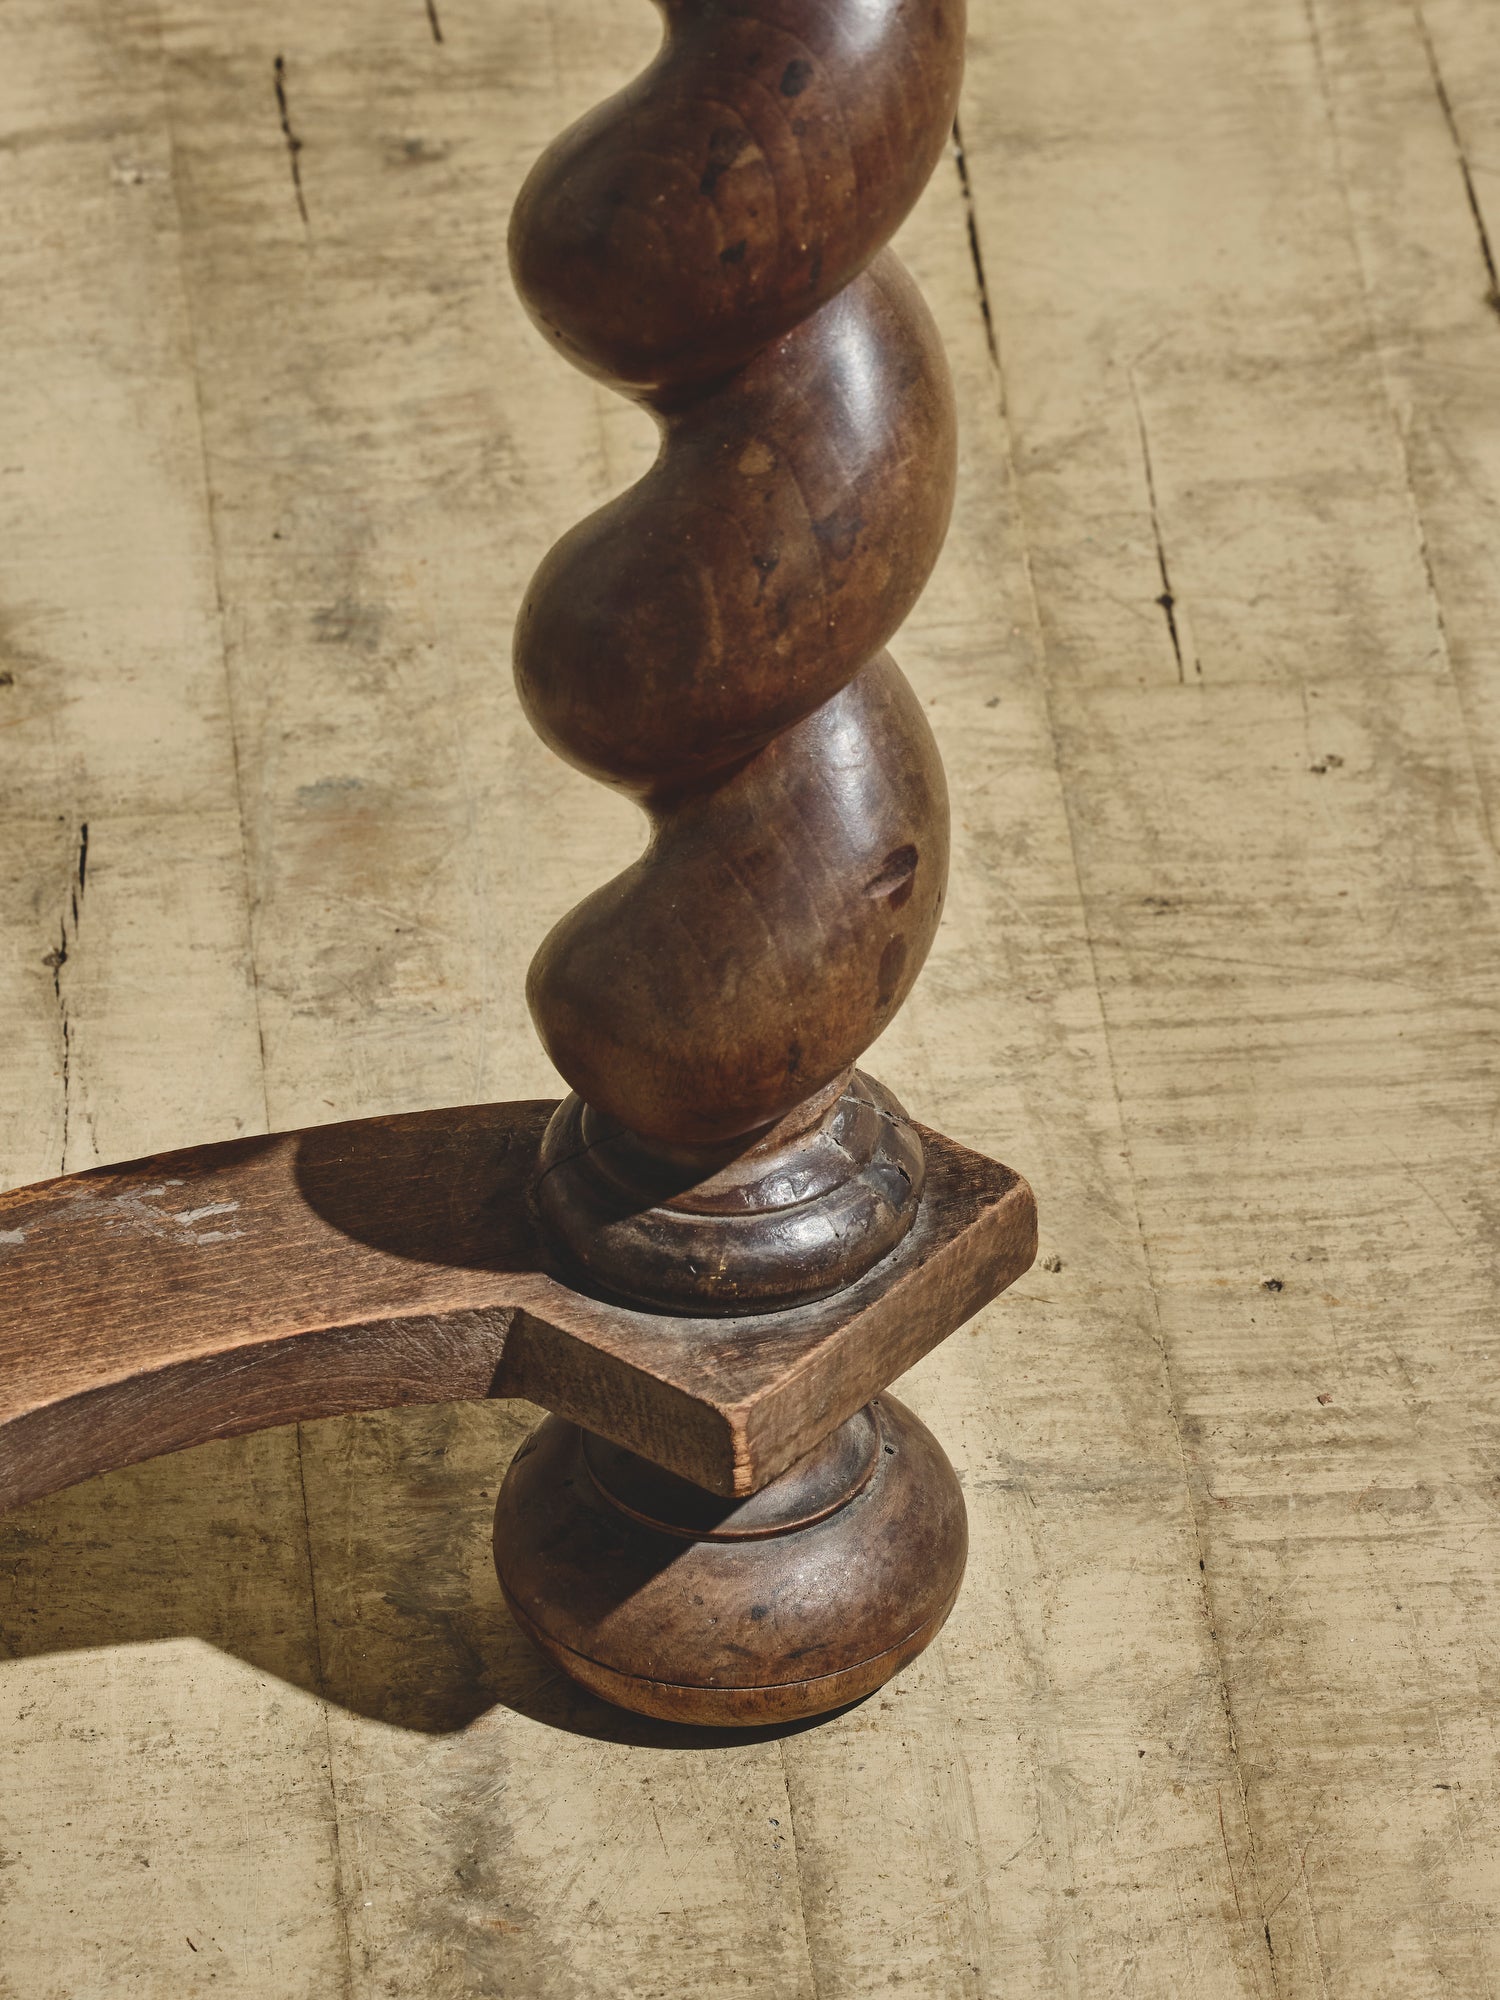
(679, 1604)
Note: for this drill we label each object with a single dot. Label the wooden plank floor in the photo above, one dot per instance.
(1214, 658)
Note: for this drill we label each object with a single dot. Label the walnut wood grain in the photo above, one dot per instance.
(228, 1288)
(805, 1597)
(710, 242)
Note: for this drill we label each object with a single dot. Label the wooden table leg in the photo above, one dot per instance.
(711, 242)
(711, 1259)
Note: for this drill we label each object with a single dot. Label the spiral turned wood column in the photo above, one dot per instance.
(710, 243)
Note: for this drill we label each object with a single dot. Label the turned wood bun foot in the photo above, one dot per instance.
(671, 1601)
(803, 1210)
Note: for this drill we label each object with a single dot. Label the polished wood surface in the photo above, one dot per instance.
(710, 240)
(747, 175)
(834, 1185)
(810, 1595)
(787, 527)
(362, 1266)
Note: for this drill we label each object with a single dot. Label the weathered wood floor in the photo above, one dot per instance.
(1214, 657)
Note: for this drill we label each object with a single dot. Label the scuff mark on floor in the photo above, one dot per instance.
(1486, 248)
(57, 960)
(293, 142)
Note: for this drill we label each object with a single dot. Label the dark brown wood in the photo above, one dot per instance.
(710, 241)
(738, 184)
(785, 531)
(394, 1260)
(795, 1602)
(833, 1185)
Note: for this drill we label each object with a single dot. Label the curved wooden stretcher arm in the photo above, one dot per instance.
(229, 1288)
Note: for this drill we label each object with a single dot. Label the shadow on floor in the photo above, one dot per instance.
(349, 1557)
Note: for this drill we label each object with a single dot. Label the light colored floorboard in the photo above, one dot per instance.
(1289, 882)
(166, 1817)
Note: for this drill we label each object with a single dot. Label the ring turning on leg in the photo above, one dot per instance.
(671, 1601)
